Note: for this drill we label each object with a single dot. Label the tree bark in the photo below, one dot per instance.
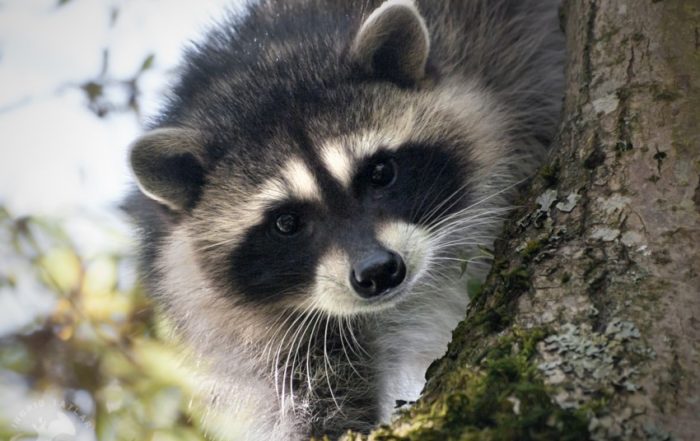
(589, 325)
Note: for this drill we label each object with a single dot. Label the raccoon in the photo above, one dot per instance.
(320, 185)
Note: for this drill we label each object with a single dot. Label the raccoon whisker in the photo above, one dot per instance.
(450, 271)
(332, 280)
(456, 259)
(286, 313)
(482, 201)
(283, 340)
(453, 251)
(446, 204)
(442, 208)
(459, 218)
(447, 271)
(290, 313)
(466, 221)
(291, 369)
(465, 231)
(441, 271)
(458, 241)
(317, 320)
(469, 214)
(300, 338)
(435, 276)
(356, 342)
(442, 268)
(438, 210)
(347, 357)
(419, 204)
(458, 246)
(325, 343)
(351, 341)
(327, 363)
(431, 287)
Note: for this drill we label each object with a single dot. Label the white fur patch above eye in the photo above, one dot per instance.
(300, 182)
(397, 131)
(339, 162)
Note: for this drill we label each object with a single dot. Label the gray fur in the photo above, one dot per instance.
(287, 101)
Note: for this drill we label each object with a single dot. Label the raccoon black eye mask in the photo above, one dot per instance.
(320, 175)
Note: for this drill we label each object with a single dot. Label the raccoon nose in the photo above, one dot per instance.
(377, 273)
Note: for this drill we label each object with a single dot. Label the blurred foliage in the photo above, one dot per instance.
(99, 348)
(106, 94)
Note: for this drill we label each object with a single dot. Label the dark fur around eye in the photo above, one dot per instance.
(423, 183)
(270, 262)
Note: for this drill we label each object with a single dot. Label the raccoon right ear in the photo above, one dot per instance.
(168, 166)
(393, 43)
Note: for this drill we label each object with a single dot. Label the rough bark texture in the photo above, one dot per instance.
(589, 325)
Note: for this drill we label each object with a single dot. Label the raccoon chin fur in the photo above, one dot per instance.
(317, 180)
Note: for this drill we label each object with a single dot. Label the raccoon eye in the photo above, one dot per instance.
(287, 224)
(383, 173)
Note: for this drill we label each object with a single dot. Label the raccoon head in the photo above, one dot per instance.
(341, 182)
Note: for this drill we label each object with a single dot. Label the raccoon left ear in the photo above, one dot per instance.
(168, 166)
(393, 43)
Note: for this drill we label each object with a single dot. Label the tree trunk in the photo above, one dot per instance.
(589, 324)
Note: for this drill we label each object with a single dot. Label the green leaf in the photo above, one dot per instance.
(148, 62)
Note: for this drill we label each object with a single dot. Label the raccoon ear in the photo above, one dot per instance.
(393, 43)
(168, 166)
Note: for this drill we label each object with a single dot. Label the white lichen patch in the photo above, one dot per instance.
(582, 365)
(542, 215)
(632, 238)
(606, 104)
(605, 234)
(569, 204)
(546, 200)
(613, 204)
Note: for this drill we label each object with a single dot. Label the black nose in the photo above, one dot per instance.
(377, 273)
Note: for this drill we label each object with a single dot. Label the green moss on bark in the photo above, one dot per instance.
(501, 396)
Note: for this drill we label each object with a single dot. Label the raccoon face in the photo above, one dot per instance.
(346, 200)
(342, 244)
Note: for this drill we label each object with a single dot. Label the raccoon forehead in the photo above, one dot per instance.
(339, 156)
(293, 179)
